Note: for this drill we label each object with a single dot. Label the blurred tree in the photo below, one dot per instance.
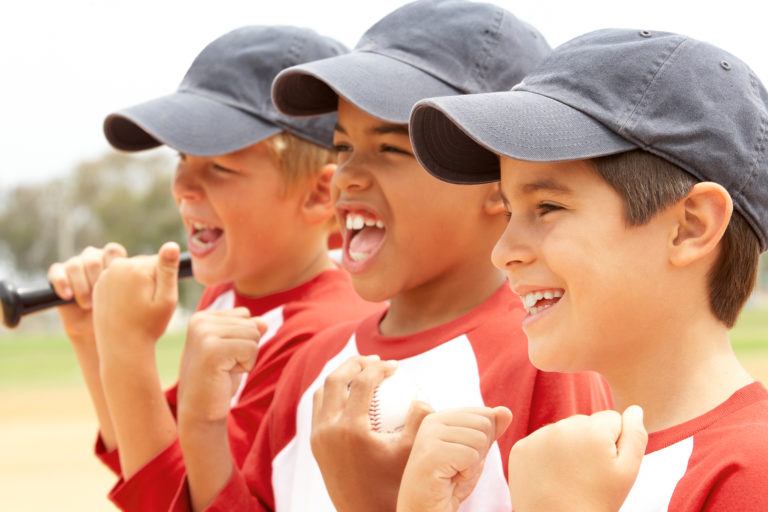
(117, 197)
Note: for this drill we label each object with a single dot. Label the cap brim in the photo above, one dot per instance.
(188, 123)
(458, 138)
(381, 86)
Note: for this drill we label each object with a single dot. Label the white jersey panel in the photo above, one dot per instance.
(447, 377)
(660, 473)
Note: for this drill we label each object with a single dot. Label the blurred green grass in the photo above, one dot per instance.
(45, 360)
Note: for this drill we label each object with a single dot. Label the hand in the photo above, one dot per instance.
(75, 279)
(361, 468)
(134, 300)
(591, 462)
(448, 456)
(221, 346)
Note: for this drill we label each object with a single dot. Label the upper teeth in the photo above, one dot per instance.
(530, 299)
(197, 226)
(357, 221)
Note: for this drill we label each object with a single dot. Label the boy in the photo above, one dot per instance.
(244, 170)
(624, 150)
(451, 323)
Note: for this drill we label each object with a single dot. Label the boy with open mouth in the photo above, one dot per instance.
(424, 246)
(253, 188)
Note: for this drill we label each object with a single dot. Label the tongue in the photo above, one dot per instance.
(367, 240)
(546, 302)
(208, 235)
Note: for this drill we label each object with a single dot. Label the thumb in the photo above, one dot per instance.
(633, 438)
(416, 414)
(502, 419)
(167, 273)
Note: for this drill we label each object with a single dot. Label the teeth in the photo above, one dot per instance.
(357, 256)
(355, 221)
(530, 300)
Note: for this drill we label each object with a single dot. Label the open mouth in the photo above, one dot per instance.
(364, 236)
(538, 301)
(202, 238)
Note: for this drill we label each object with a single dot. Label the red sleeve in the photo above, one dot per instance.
(111, 458)
(741, 490)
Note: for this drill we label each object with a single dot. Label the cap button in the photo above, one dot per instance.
(725, 65)
(645, 33)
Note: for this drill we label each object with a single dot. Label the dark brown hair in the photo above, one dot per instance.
(649, 184)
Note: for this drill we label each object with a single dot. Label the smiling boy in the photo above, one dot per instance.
(451, 323)
(634, 169)
(253, 190)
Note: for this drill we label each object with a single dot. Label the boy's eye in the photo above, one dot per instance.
(386, 148)
(342, 148)
(544, 208)
(224, 170)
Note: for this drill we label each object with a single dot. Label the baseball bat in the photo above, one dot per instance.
(17, 303)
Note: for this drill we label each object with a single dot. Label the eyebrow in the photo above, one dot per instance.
(382, 129)
(399, 129)
(546, 185)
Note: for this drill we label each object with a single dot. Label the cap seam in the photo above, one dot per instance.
(488, 43)
(646, 95)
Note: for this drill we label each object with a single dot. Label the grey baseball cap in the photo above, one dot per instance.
(607, 92)
(423, 49)
(224, 103)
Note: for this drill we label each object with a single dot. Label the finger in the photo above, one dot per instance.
(79, 282)
(607, 422)
(113, 251)
(243, 353)
(237, 329)
(477, 439)
(416, 414)
(167, 273)
(57, 275)
(336, 386)
(502, 420)
(93, 263)
(362, 388)
(634, 437)
(240, 312)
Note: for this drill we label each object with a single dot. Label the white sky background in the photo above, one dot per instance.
(65, 64)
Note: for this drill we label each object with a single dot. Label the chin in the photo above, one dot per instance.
(546, 356)
(371, 288)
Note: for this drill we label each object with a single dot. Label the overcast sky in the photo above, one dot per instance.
(68, 63)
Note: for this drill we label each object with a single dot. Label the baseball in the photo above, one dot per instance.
(391, 401)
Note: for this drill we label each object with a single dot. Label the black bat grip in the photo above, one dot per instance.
(17, 303)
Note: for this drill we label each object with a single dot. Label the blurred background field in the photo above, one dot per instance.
(47, 428)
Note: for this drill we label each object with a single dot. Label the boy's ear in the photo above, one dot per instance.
(493, 204)
(702, 218)
(318, 199)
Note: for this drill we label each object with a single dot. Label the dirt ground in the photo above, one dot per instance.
(46, 461)
(46, 440)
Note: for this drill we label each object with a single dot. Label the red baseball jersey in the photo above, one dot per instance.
(478, 359)
(716, 462)
(293, 317)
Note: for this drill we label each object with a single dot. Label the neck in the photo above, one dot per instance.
(679, 376)
(301, 265)
(443, 299)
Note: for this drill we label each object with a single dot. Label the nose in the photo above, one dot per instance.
(186, 183)
(513, 249)
(352, 176)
